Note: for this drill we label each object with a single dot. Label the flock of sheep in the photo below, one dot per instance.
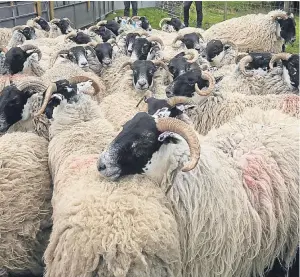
(127, 151)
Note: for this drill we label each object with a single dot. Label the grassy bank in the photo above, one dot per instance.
(213, 12)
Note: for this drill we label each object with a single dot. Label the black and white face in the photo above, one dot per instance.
(78, 55)
(178, 65)
(176, 23)
(260, 60)
(191, 41)
(81, 38)
(143, 72)
(104, 53)
(291, 71)
(44, 24)
(12, 102)
(15, 59)
(288, 29)
(184, 85)
(131, 152)
(130, 38)
(29, 33)
(145, 24)
(64, 26)
(140, 49)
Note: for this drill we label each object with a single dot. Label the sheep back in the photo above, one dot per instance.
(25, 195)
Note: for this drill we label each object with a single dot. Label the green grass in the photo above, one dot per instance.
(213, 12)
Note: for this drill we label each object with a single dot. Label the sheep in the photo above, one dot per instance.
(220, 107)
(237, 207)
(63, 24)
(255, 32)
(25, 195)
(124, 96)
(170, 24)
(43, 29)
(100, 229)
(81, 37)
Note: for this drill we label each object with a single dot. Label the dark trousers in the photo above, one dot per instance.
(186, 12)
(127, 8)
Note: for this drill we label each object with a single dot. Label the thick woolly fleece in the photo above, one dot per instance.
(260, 83)
(238, 209)
(25, 202)
(216, 110)
(252, 32)
(103, 228)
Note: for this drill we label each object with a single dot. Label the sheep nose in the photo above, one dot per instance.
(142, 82)
(101, 166)
(84, 64)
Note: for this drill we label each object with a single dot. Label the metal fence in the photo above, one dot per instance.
(81, 13)
(216, 11)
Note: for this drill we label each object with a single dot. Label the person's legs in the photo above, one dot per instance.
(134, 8)
(186, 12)
(126, 8)
(199, 13)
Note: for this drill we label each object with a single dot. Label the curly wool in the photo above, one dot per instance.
(102, 227)
(252, 32)
(25, 197)
(237, 211)
(216, 110)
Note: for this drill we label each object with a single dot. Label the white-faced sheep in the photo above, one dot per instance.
(255, 32)
(237, 207)
(100, 228)
(25, 197)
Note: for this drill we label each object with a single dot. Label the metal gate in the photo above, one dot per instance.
(81, 13)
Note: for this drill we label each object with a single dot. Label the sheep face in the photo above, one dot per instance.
(176, 23)
(140, 49)
(81, 38)
(130, 38)
(288, 29)
(259, 60)
(29, 33)
(132, 149)
(43, 23)
(179, 65)
(184, 85)
(15, 59)
(12, 102)
(216, 51)
(105, 33)
(113, 26)
(291, 71)
(104, 53)
(64, 25)
(143, 72)
(192, 41)
(78, 55)
(144, 23)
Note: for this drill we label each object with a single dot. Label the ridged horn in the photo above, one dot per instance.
(71, 34)
(179, 37)
(124, 65)
(102, 22)
(28, 47)
(191, 55)
(173, 101)
(55, 20)
(136, 17)
(112, 41)
(164, 20)
(17, 28)
(240, 56)
(36, 85)
(64, 51)
(79, 79)
(156, 39)
(279, 14)
(279, 56)
(187, 132)
(242, 65)
(140, 32)
(50, 90)
(211, 80)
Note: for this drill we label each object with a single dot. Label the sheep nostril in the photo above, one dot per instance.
(101, 167)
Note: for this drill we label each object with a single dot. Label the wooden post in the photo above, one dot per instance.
(225, 10)
(51, 9)
(286, 6)
(88, 5)
(38, 6)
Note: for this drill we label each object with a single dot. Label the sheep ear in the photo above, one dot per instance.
(185, 107)
(63, 55)
(168, 137)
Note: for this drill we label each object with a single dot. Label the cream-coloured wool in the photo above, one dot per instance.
(100, 227)
(25, 201)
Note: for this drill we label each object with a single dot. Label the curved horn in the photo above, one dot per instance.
(211, 80)
(92, 43)
(124, 65)
(136, 17)
(240, 56)
(140, 32)
(187, 132)
(279, 56)
(102, 22)
(32, 47)
(173, 101)
(279, 14)
(191, 55)
(79, 79)
(36, 85)
(52, 88)
(55, 20)
(164, 20)
(162, 64)
(65, 51)
(156, 39)
(70, 35)
(179, 37)
(112, 41)
(17, 28)
(92, 28)
(242, 64)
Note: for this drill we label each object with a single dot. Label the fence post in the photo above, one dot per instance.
(51, 9)
(225, 10)
(38, 6)
(88, 5)
(286, 6)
